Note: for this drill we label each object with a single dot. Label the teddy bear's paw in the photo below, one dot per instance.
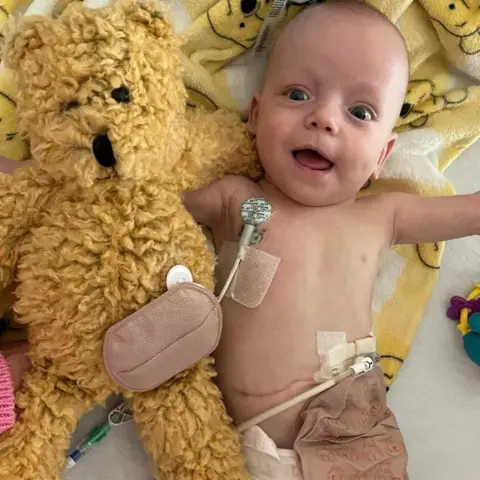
(12, 465)
(185, 428)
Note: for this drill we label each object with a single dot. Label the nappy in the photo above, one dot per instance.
(265, 461)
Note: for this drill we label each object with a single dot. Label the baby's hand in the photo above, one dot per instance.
(17, 361)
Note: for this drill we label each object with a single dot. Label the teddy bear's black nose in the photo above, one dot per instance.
(103, 151)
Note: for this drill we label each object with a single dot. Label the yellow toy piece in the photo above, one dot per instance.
(463, 326)
(467, 311)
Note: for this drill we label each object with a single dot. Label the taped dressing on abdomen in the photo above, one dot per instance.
(254, 275)
(326, 343)
(337, 355)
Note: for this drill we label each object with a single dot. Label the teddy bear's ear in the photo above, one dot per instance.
(147, 13)
(25, 35)
(18, 40)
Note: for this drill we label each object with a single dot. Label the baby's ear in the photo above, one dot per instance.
(253, 114)
(387, 149)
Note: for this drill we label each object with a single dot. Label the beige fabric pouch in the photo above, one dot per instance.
(165, 337)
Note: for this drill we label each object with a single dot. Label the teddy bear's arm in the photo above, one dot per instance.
(21, 196)
(218, 144)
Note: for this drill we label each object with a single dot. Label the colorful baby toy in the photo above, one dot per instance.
(467, 311)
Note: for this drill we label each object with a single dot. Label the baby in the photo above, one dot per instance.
(322, 123)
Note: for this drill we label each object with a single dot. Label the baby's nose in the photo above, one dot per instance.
(323, 118)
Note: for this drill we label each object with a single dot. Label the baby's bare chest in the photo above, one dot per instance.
(314, 245)
(324, 269)
(327, 265)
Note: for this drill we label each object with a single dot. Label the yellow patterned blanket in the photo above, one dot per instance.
(440, 118)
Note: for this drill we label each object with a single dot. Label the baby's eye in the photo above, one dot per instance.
(362, 113)
(298, 95)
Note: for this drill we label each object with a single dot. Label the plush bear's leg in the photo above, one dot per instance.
(48, 413)
(185, 428)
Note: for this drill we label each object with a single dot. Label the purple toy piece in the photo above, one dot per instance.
(459, 303)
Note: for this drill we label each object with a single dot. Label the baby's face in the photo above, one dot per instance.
(323, 121)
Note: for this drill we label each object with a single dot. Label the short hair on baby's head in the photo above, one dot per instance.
(356, 7)
(359, 7)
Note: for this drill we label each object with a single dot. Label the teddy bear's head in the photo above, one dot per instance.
(100, 91)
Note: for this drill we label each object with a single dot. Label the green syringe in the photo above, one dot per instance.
(118, 416)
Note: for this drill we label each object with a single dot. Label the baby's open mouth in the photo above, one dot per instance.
(312, 159)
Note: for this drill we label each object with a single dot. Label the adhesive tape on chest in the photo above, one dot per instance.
(253, 278)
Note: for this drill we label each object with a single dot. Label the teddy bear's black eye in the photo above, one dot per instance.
(121, 94)
(70, 105)
(451, 6)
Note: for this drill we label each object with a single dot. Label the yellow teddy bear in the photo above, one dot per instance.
(90, 229)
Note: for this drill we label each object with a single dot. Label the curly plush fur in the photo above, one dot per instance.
(90, 244)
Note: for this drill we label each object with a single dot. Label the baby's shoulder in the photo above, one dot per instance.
(372, 204)
(237, 188)
(238, 182)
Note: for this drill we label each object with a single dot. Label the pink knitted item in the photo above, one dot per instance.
(7, 400)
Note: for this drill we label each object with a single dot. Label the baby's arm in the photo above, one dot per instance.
(210, 204)
(419, 219)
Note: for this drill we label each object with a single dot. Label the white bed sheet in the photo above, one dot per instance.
(436, 397)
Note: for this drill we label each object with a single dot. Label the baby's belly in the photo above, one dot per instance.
(260, 366)
(269, 354)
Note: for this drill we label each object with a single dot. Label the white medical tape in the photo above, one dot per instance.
(273, 18)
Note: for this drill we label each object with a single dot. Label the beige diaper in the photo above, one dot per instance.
(265, 461)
